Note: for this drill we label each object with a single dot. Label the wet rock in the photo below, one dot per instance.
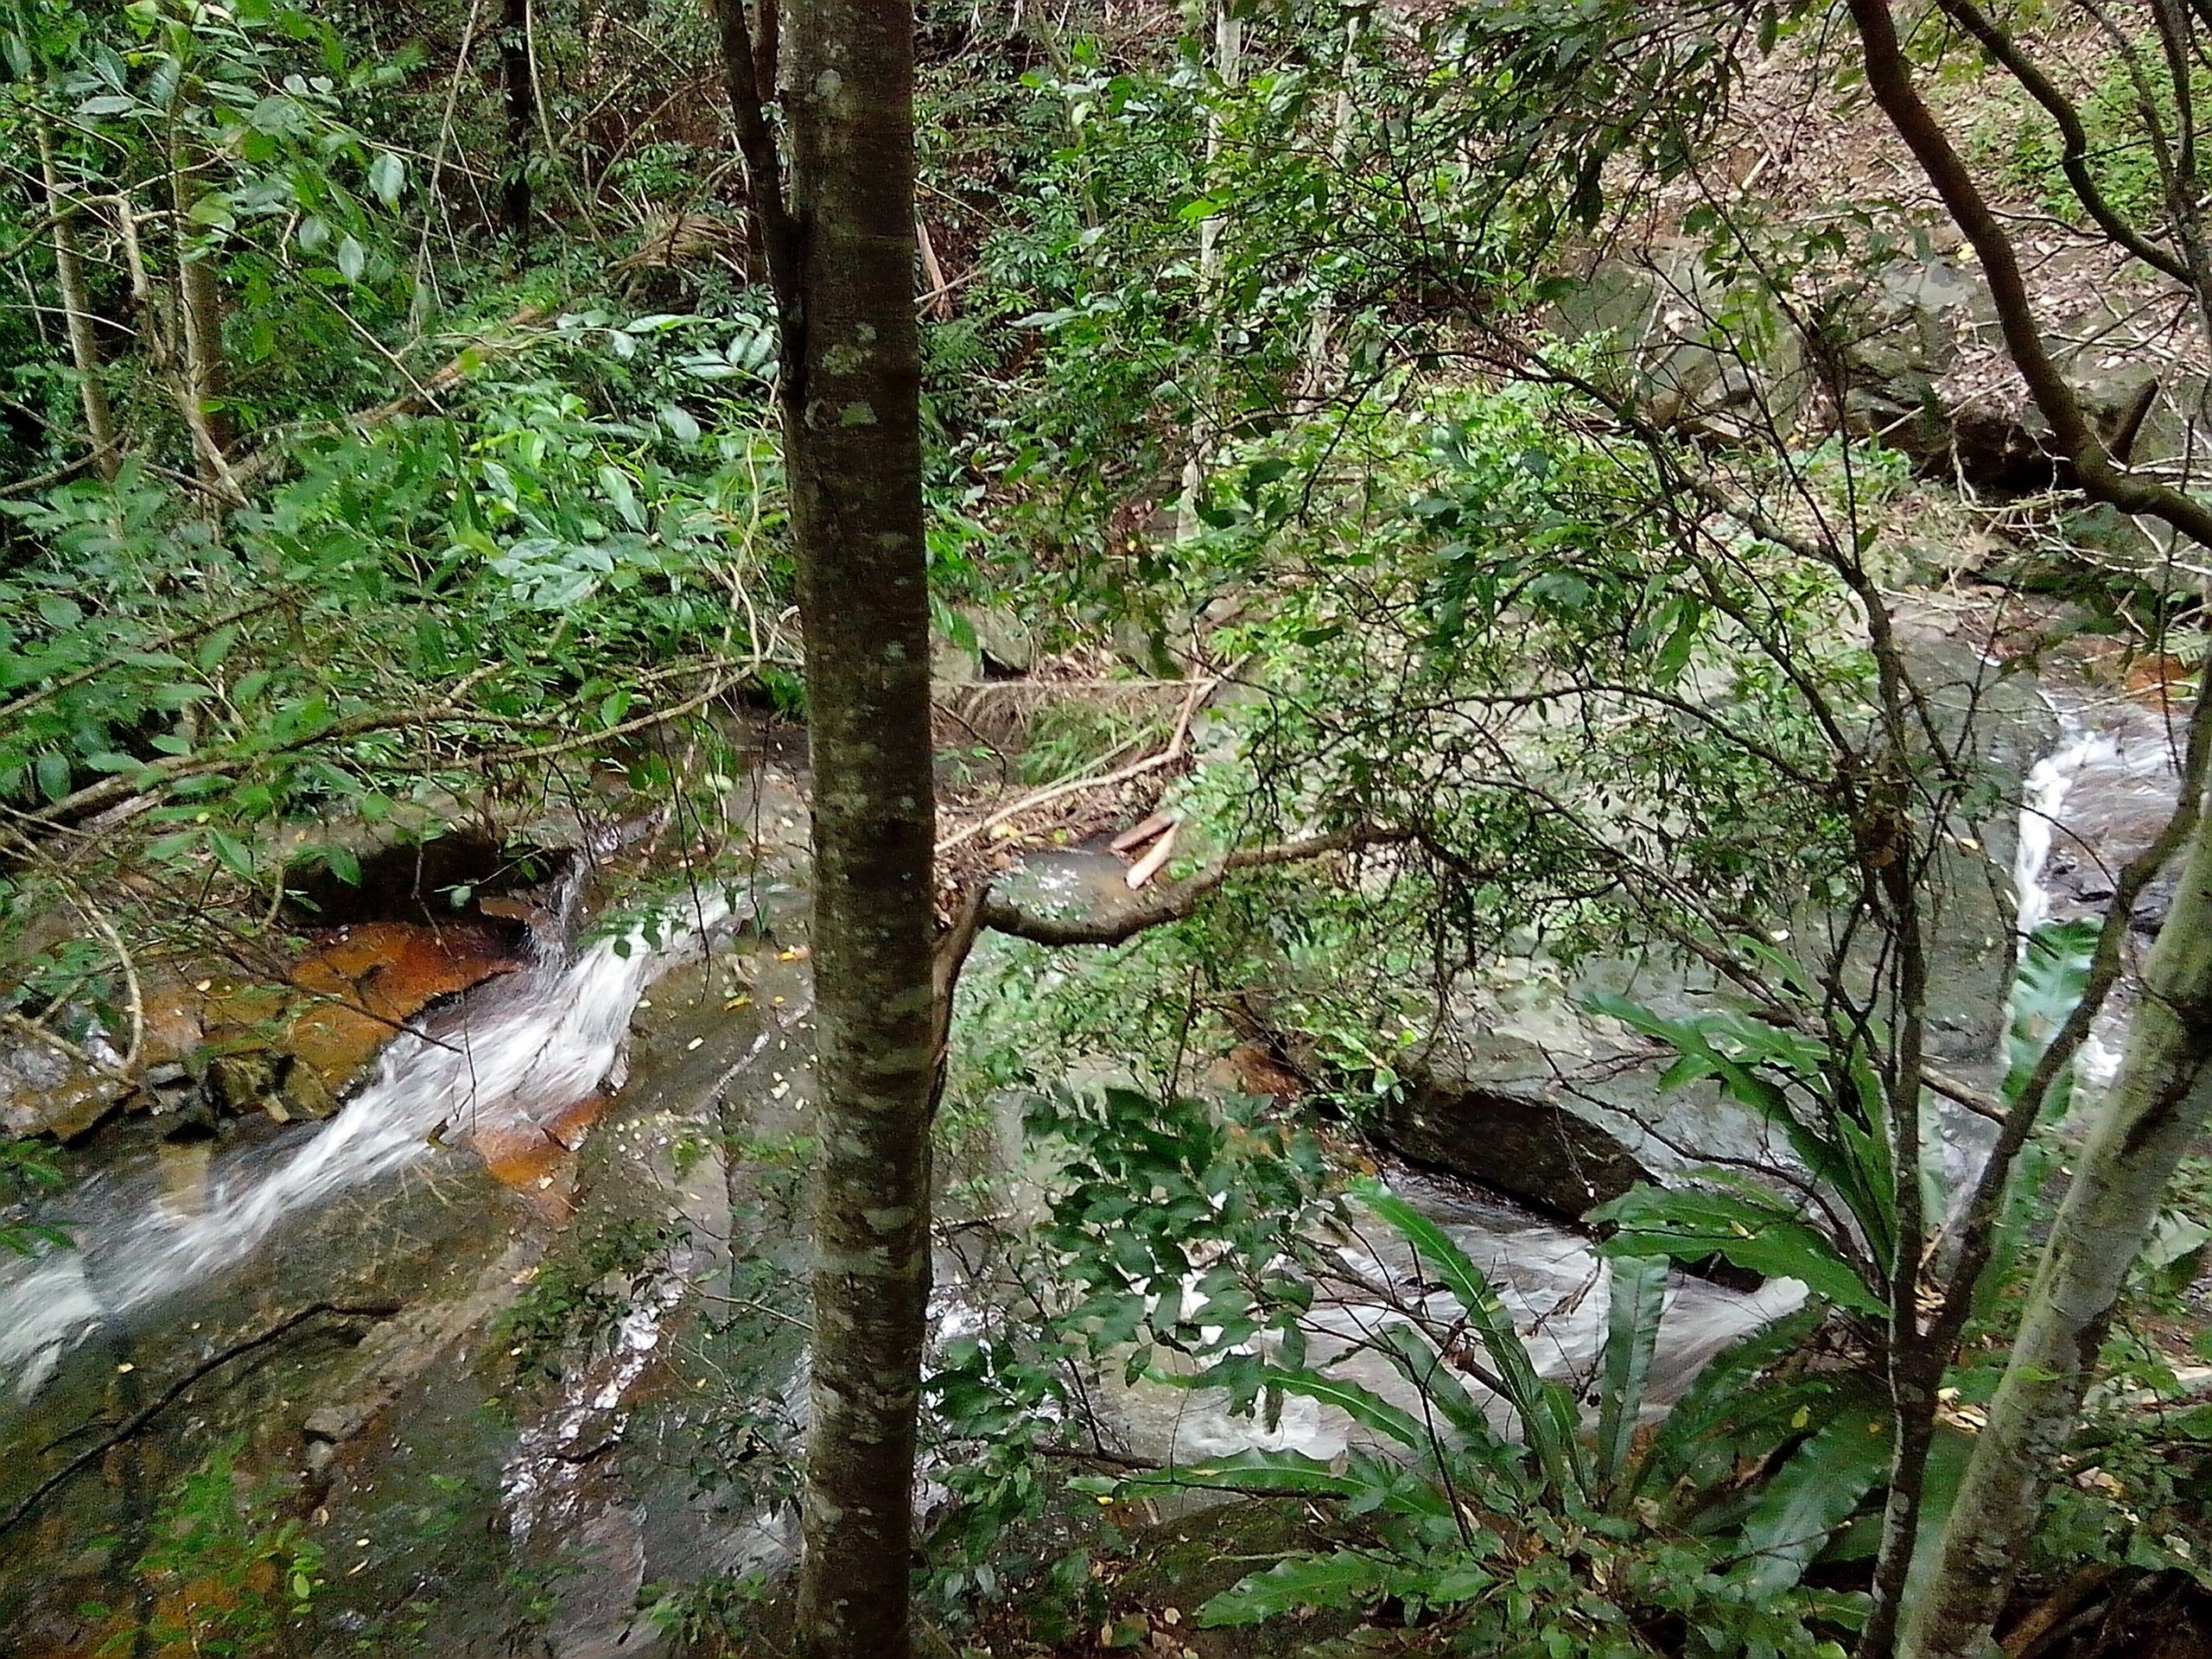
(367, 981)
(1144, 644)
(239, 1082)
(302, 1092)
(1533, 1149)
(399, 1350)
(43, 1091)
(70, 1112)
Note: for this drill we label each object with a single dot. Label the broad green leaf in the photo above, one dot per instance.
(1689, 1225)
(52, 769)
(1639, 1298)
(1439, 1385)
(233, 854)
(1263, 1474)
(1812, 1494)
(1362, 1405)
(1549, 1422)
(1346, 1581)
(1719, 1396)
(388, 177)
(2047, 987)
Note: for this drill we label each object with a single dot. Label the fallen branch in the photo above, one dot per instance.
(31, 1029)
(138, 1419)
(1175, 903)
(1178, 745)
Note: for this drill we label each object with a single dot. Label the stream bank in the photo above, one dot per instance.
(518, 1334)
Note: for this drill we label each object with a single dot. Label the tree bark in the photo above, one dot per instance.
(76, 306)
(2159, 1099)
(2159, 1105)
(199, 312)
(521, 95)
(1228, 65)
(850, 387)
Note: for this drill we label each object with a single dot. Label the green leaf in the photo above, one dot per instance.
(1812, 1494)
(1360, 1404)
(620, 491)
(1260, 1474)
(52, 770)
(353, 258)
(2047, 987)
(1439, 1385)
(1549, 1420)
(1638, 1298)
(1689, 1225)
(216, 647)
(388, 177)
(1346, 1580)
(233, 854)
(1718, 1401)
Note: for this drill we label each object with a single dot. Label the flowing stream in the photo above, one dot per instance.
(513, 1056)
(2094, 802)
(510, 1057)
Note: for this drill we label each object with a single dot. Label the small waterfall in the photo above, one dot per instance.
(518, 1052)
(2043, 797)
(2086, 807)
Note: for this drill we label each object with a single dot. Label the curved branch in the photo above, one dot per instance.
(1889, 78)
(1176, 903)
(756, 141)
(2074, 159)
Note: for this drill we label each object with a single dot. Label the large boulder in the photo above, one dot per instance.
(1909, 352)
(1529, 1147)
(1710, 361)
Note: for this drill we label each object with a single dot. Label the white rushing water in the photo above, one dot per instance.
(2042, 800)
(2086, 807)
(518, 1051)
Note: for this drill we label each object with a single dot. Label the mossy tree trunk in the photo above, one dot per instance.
(2157, 1109)
(841, 248)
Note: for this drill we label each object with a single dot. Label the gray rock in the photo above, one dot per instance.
(1532, 1149)
(1003, 638)
(337, 1424)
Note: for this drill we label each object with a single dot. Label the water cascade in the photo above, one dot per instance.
(514, 1055)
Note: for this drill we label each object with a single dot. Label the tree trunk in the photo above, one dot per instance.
(1229, 65)
(200, 312)
(521, 94)
(76, 306)
(851, 393)
(2157, 1107)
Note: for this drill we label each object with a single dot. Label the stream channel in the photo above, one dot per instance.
(621, 1088)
